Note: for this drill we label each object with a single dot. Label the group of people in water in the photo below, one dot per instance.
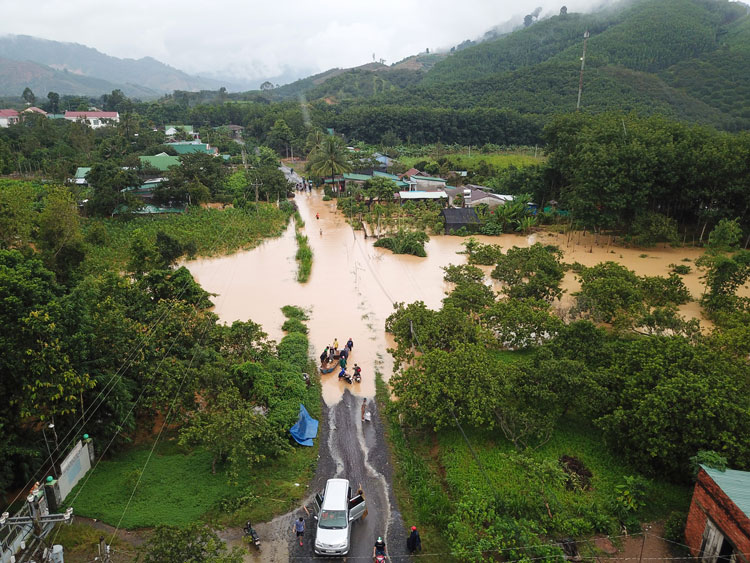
(332, 353)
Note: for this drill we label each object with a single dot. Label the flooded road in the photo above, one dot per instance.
(353, 285)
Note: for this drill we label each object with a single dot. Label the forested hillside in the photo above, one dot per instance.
(688, 59)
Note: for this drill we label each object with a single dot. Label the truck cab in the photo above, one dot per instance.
(337, 511)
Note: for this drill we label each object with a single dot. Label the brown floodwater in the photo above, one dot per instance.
(353, 285)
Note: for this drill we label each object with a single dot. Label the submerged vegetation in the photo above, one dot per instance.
(405, 242)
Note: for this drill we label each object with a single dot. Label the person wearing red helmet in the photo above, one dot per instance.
(414, 543)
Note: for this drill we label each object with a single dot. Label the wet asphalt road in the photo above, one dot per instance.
(358, 452)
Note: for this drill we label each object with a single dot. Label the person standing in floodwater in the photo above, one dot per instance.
(350, 344)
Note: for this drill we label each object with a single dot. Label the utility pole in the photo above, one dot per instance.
(583, 63)
(37, 524)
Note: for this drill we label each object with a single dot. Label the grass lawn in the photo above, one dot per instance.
(177, 488)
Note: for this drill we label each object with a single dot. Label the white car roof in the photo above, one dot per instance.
(336, 496)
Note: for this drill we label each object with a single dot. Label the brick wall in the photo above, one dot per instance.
(709, 501)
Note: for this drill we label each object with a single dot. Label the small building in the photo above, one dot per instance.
(718, 523)
(171, 131)
(8, 117)
(94, 119)
(427, 183)
(146, 190)
(412, 195)
(80, 176)
(161, 161)
(457, 218)
(192, 147)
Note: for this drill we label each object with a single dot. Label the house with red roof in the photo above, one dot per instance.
(8, 117)
(94, 119)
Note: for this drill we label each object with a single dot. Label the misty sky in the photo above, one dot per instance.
(253, 40)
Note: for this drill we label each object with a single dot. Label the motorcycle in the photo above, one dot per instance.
(380, 558)
(357, 375)
(252, 534)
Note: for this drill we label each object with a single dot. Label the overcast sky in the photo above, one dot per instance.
(254, 40)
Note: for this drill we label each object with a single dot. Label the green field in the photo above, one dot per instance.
(464, 161)
(212, 231)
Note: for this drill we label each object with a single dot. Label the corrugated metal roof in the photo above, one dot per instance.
(160, 161)
(422, 195)
(357, 177)
(81, 172)
(386, 175)
(460, 215)
(429, 178)
(735, 484)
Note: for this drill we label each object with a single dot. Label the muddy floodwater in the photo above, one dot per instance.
(353, 285)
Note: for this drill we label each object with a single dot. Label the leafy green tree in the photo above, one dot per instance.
(28, 96)
(53, 104)
(196, 169)
(521, 323)
(654, 429)
(280, 137)
(379, 188)
(231, 429)
(724, 276)
(195, 543)
(433, 389)
(725, 236)
(650, 228)
(609, 293)
(531, 273)
(108, 183)
(16, 215)
(60, 237)
(470, 296)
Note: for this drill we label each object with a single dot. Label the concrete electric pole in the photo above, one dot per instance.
(583, 64)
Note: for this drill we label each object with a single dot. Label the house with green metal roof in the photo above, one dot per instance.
(192, 147)
(161, 161)
(718, 522)
(80, 176)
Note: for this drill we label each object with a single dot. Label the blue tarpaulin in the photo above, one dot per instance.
(306, 428)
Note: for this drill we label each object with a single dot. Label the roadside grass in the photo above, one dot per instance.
(574, 512)
(177, 488)
(421, 499)
(80, 538)
(209, 231)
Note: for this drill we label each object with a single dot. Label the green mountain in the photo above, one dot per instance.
(689, 59)
(146, 74)
(17, 75)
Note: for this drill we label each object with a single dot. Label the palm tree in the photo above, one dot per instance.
(331, 157)
(314, 140)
